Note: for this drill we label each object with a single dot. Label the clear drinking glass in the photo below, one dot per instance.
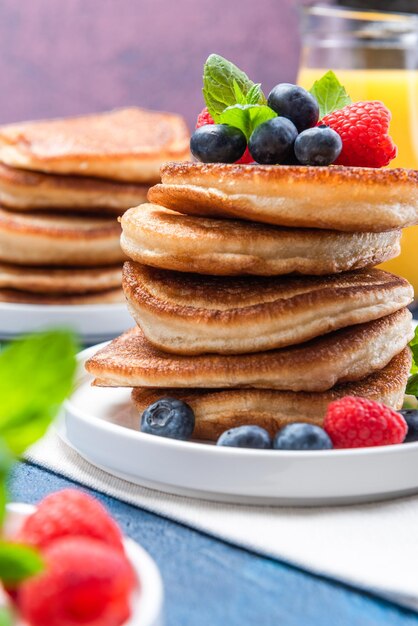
(375, 56)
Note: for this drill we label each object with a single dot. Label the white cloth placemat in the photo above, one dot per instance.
(371, 546)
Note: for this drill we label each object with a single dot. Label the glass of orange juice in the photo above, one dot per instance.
(375, 56)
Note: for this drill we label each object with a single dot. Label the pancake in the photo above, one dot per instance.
(49, 280)
(22, 190)
(353, 199)
(59, 240)
(217, 410)
(346, 355)
(126, 144)
(15, 296)
(194, 314)
(162, 238)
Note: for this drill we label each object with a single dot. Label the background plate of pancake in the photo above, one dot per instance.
(256, 301)
(63, 185)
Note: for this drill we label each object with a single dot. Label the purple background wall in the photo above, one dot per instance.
(65, 57)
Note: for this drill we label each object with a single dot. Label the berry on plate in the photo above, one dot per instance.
(218, 143)
(353, 422)
(85, 583)
(411, 418)
(170, 418)
(69, 512)
(318, 146)
(301, 436)
(245, 437)
(272, 142)
(363, 128)
(294, 103)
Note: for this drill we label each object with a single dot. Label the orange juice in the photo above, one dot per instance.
(398, 90)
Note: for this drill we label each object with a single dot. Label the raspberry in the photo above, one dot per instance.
(69, 512)
(360, 423)
(363, 128)
(85, 583)
(204, 118)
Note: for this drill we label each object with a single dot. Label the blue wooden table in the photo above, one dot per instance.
(211, 583)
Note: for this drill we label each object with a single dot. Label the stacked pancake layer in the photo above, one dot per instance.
(63, 184)
(254, 293)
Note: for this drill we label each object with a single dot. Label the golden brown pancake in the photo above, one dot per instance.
(50, 280)
(162, 238)
(353, 199)
(343, 356)
(193, 314)
(126, 144)
(22, 190)
(216, 410)
(59, 240)
(15, 296)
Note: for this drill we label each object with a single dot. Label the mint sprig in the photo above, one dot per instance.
(18, 562)
(6, 616)
(246, 117)
(225, 85)
(36, 375)
(330, 94)
(412, 386)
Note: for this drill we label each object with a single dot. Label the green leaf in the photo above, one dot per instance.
(18, 562)
(246, 117)
(330, 94)
(36, 375)
(412, 386)
(224, 85)
(413, 344)
(6, 616)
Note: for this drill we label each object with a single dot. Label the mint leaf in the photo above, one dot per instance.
(246, 117)
(18, 562)
(330, 94)
(412, 386)
(36, 375)
(413, 344)
(224, 85)
(6, 617)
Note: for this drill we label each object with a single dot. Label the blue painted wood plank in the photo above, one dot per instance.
(211, 583)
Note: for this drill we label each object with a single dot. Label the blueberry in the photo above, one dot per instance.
(295, 103)
(411, 418)
(168, 417)
(245, 437)
(299, 436)
(318, 146)
(272, 142)
(218, 143)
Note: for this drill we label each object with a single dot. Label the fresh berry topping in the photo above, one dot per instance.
(245, 437)
(70, 512)
(359, 422)
(295, 103)
(301, 436)
(85, 583)
(218, 143)
(363, 128)
(246, 157)
(272, 142)
(411, 418)
(318, 146)
(204, 118)
(170, 418)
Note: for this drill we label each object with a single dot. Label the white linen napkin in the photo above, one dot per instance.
(370, 546)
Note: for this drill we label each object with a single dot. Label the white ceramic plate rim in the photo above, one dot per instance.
(211, 449)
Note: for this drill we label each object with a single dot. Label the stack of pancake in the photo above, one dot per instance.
(63, 184)
(255, 295)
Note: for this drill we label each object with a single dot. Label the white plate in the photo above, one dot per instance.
(101, 424)
(147, 603)
(92, 322)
